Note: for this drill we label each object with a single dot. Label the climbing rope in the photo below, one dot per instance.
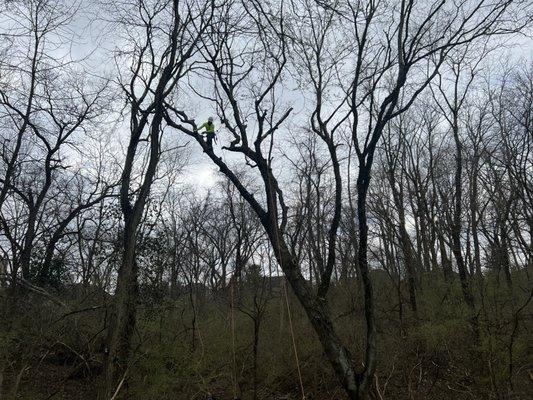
(232, 327)
(291, 326)
(294, 341)
(289, 314)
(232, 314)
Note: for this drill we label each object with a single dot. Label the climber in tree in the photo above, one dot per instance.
(209, 131)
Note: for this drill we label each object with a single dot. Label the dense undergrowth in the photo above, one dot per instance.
(185, 349)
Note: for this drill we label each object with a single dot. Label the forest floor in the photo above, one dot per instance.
(183, 348)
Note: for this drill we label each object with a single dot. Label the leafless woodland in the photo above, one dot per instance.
(361, 227)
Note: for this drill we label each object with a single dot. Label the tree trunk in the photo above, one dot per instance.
(123, 316)
(474, 216)
(319, 316)
(503, 256)
(363, 182)
(405, 241)
(257, 325)
(456, 226)
(447, 269)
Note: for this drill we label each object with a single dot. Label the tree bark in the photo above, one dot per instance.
(456, 226)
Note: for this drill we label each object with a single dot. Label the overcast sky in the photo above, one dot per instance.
(96, 42)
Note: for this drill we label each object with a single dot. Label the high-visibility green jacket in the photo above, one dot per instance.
(209, 128)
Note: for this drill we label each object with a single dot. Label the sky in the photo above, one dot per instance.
(94, 42)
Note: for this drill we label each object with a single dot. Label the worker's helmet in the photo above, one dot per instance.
(210, 119)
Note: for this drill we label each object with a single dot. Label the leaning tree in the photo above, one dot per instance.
(396, 51)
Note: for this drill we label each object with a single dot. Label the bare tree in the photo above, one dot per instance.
(164, 39)
(380, 85)
(387, 81)
(48, 103)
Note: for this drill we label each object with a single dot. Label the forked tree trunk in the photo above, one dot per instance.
(363, 183)
(123, 315)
